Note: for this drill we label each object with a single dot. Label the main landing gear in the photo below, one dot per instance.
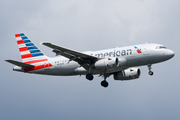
(104, 83)
(149, 68)
(89, 76)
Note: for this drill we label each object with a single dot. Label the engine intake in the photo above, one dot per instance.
(128, 74)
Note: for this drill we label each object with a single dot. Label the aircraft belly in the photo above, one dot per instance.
(39, 71)
(111, 70)
(137, 61)
(65, 69)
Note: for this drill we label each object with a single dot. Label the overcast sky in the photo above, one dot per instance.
(90, 25)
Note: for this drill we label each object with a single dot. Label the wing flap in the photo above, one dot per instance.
(20, 64)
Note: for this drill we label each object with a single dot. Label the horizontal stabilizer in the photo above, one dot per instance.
(20, 64)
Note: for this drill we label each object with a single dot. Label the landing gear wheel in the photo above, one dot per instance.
(104, 83)
(151, 73)
(89, 76)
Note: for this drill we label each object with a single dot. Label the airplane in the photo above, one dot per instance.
(119, 62)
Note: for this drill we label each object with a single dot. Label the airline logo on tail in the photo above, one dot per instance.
(27, 48)
(30, 54)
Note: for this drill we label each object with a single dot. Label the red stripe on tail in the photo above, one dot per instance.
(26, 56)
(17, 35)
(35, 61)
(20, 42)
(23, 49)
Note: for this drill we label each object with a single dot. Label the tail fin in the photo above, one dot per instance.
(30, 54)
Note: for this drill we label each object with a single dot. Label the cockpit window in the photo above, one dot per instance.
(161, 47)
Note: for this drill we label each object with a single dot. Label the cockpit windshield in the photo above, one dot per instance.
(161, 47)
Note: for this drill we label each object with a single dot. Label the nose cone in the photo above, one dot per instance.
(170, 54)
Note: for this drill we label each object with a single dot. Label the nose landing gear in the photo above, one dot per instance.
(149, 68)
(151, 73)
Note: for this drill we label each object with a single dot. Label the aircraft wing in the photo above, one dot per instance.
(83, 59)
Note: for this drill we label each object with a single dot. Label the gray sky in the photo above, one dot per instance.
(90, 25)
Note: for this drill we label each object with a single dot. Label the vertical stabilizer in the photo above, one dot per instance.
(30, 54)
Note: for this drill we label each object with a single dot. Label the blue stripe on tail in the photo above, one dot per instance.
(35, 52)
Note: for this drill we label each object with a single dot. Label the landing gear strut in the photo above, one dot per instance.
(89, 76)
(150, 72)
(104, 83)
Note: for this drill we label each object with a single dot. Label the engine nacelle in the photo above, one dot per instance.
(128, 74)
(122, 62)
(106, 63)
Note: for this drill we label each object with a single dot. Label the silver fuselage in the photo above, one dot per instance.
(136, 55)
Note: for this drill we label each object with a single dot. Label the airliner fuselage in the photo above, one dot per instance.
(118, 61)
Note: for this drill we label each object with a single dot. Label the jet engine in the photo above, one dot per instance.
(128, 74)
(106, 63)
